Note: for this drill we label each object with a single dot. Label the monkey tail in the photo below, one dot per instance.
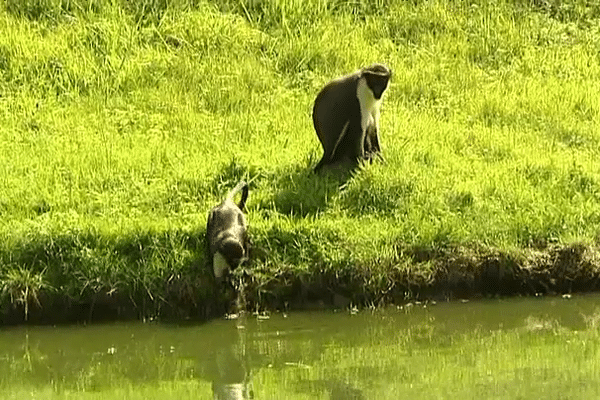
(243, 186)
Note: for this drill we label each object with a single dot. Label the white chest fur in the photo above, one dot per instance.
(369, 105)
(220, 265)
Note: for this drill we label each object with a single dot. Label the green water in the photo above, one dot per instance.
(542, 348)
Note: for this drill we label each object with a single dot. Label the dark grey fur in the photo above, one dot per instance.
(226, 231)
(336, 105)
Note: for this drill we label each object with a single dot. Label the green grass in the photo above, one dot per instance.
(122, 123)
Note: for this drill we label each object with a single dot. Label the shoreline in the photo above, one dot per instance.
(453, 273)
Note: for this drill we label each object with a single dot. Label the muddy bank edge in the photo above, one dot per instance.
(48, 284)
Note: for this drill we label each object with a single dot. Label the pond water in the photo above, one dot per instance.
(543, 348)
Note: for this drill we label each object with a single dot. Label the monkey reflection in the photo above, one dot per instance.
(227, 364)
(336, 389)
(231, 378)
(343, 391)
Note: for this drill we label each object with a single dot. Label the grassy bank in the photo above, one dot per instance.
(122, 123)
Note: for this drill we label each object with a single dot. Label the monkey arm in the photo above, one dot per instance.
(354, 145)
(373, 134)
(207, 238)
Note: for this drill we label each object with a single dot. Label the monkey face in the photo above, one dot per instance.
(234, 251)
(226, 233)
(377, 77)
(377, 83)
(230, 254)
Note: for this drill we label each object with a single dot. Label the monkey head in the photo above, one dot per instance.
(377, 77)
(234, 250)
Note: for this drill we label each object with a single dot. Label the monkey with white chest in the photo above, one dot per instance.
(346, 116)
(226, 233)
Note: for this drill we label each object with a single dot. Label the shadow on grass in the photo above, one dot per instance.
(301, 192)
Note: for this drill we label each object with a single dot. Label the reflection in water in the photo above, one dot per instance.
(342, 391)
(229, 366)
(337, 390)
(498, 349)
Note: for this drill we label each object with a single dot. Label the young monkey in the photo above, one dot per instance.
(226, 233)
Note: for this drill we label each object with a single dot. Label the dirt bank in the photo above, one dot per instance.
(418, 274)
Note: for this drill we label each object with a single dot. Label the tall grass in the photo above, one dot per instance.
(122, 123)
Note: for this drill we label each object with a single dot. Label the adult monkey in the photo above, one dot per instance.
(346, 116)
(226, 235)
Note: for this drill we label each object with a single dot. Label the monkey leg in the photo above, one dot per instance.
(374, 137)
(339, 167)
(369, 145)
(352, 149)
(334, 160)
(321, 164)
(348, 149)
(330, 142)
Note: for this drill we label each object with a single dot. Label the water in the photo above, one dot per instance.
(543, 348)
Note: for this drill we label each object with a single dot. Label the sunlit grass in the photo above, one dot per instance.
(122, 123)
